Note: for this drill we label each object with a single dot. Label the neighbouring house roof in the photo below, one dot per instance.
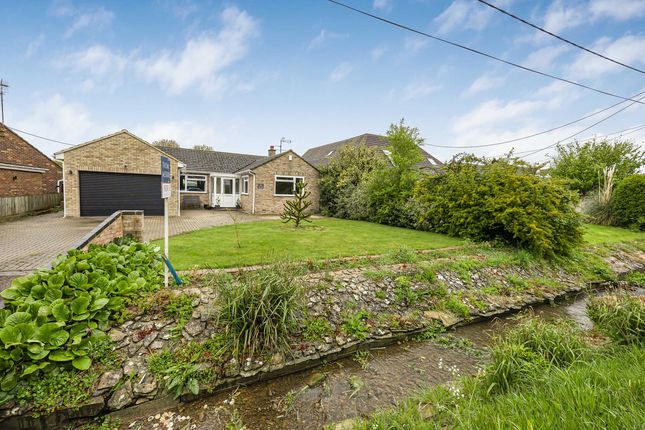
(7, 136)
(212, 161)
(264, 160)
(321, 155)
(124, 131)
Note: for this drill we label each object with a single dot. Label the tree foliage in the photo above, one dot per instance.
(297, 210)
(343, 176)
(629, 202)
(203, 147)
(168, 143)
(390, 188)
(582, 163)
(499, 200)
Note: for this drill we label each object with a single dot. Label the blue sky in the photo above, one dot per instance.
(239, 75)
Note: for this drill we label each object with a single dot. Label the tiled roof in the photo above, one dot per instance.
(321, 155)
(211, 161)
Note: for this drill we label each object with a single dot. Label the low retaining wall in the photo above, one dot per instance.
(119, 224)
(124, 389)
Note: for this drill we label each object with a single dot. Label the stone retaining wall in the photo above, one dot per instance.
(328, 295)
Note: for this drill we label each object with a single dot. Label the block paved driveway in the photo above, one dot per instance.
(33, 242)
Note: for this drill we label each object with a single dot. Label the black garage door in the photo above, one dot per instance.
(104, 193)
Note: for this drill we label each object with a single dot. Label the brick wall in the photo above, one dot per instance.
(119, 224)
(265, 200)
(16, 150)
(118, 153)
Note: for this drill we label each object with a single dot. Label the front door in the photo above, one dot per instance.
(226, 192)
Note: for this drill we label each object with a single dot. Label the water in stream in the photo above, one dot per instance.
(346, 388)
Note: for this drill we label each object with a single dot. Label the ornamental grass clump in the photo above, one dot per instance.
(260, 309)
(621, 318)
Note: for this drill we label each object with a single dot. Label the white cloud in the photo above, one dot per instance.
(97, 63)
(322, 38)
(484, 83)
(492, 112)
(627, 49)
(97, 60)
(188, 133)
(95, 18)
(378, 52)
(204, 58)
(414, 44)
(60, 119)
(465, 15)
(385, 5)
(341, 71)
(561, 15)
(418, 90)
(627, 9)
(35, 45)
(543, 58)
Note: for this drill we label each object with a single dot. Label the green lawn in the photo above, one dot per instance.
(267, 241)
(604, 234)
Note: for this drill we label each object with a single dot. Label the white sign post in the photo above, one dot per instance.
(165, 195)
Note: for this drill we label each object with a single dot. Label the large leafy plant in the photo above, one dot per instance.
(53, 317)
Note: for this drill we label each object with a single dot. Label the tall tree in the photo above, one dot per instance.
(391, 188)
(168, 143)
(582, 163)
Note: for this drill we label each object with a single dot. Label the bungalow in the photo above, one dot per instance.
(122, 171)
(321, 155)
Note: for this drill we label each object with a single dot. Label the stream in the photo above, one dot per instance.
(351, 387)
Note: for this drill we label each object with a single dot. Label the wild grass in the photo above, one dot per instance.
(528, 348)
(557, 383)
(260, 309)
(621, 317)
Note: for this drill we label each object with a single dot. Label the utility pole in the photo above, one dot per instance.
(283, 140)
(3, 85)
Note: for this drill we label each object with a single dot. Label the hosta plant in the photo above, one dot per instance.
(53, 317)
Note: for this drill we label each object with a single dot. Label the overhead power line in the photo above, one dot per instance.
(517, 139)
(499, 9)
(532, 152)
(39, 137)
(484, 54)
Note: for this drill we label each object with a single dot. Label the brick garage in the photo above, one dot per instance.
(24, 170)
(262, 182)
(121, 153)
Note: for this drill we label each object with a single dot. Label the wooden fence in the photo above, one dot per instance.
(18, 205)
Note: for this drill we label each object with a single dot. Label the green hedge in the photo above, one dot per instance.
(499, 200)
(629, 202)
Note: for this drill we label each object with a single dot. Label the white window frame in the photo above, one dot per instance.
(293, 181)
(245, 185)
(203, 177)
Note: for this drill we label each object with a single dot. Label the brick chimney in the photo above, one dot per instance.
(271, 151)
